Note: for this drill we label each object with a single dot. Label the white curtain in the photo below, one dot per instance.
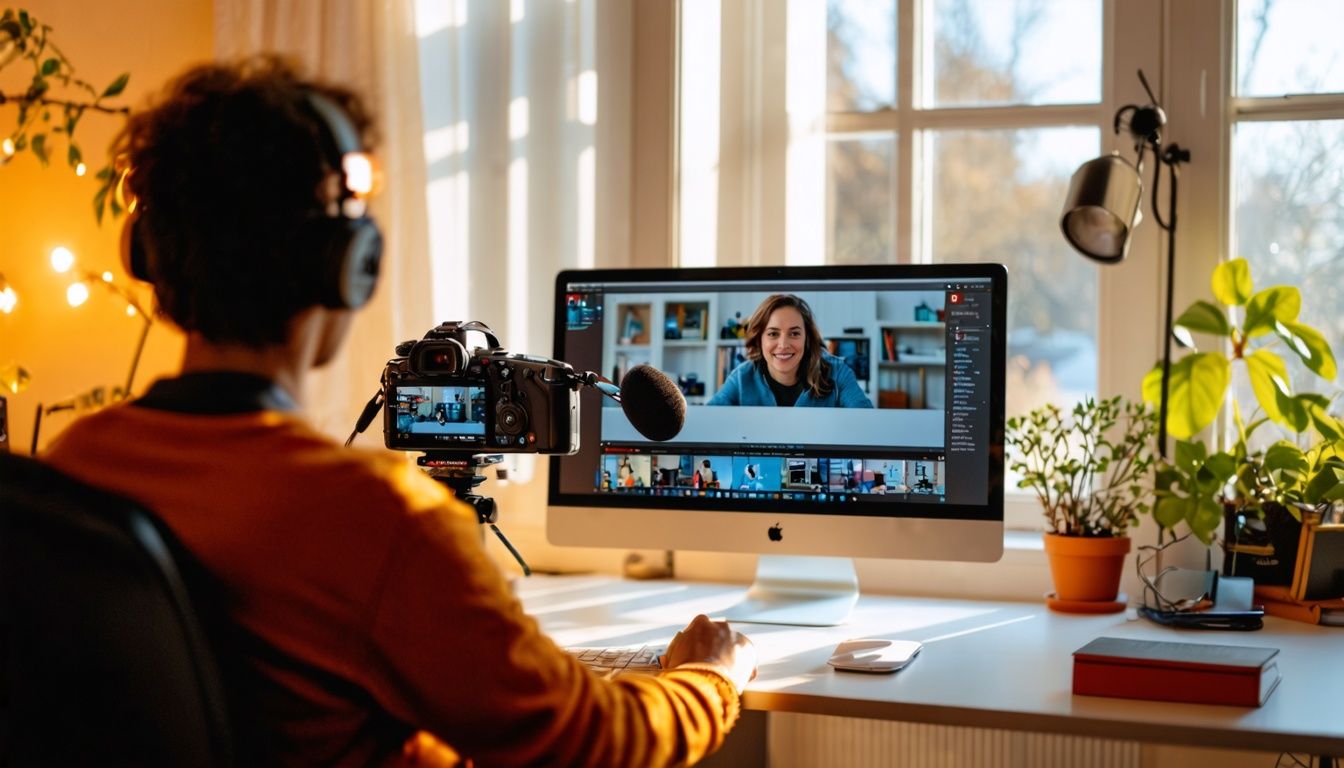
(507, 146)
(370, 46)
(527, 140)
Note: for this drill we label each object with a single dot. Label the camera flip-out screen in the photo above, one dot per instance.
(439, 416)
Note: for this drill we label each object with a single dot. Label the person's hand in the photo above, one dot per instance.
(714, 642)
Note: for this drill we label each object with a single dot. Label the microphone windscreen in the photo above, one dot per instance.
(653, 403)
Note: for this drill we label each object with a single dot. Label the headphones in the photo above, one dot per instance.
(345, 243)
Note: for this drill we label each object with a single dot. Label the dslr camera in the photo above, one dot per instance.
(443, 396)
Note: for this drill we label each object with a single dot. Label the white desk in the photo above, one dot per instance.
(984, 664)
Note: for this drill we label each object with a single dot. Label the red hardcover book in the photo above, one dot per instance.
(1196, 673)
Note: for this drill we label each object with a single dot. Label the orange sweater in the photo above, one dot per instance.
(368, 573)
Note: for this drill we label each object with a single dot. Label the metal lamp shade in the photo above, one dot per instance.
(1102, 208)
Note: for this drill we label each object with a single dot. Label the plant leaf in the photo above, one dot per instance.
(74, 156)
(1206, 515)
(1269, 381)
(1326, 485)
(39, 145)
(1170, 511)
(1194, 393)
(117, 86)
(1232, 282)
(1222, 466)
(1189, 455)
(1283, 455)
(1308, 344)
(1329, 427)
(1281, 303)
(1203, 317)
(50, 66)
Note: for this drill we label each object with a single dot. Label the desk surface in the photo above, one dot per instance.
(984, 664)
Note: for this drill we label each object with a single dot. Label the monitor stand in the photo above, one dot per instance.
(804, 591)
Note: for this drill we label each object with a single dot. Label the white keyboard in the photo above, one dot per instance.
(608, 662)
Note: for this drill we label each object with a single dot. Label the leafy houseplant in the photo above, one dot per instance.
(1197, 483)
(53, 103)
(1089, 467)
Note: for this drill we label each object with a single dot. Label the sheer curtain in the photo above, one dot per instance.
(528, 150)
(368, 45)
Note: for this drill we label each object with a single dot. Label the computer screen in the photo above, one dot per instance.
(889, 444)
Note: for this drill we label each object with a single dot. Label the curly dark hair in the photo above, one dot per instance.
(814, 368)
(226, 169)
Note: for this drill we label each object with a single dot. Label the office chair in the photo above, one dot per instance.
(105, 661)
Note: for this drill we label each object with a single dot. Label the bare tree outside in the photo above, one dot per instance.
(1289, 175)
(995, 193)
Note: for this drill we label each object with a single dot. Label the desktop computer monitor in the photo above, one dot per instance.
(893, 447)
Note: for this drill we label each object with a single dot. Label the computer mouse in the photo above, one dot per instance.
(871, 654)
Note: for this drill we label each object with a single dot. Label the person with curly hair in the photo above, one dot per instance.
(364, 622)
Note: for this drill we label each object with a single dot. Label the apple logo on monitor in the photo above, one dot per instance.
(775, 533)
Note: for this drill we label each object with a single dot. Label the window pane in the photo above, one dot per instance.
(1289, 199)
(996, 197)
(1289, 46)
(860, 199)
(995, 52)
(860, 55)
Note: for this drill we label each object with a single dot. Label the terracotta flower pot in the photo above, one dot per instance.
(1086, 568)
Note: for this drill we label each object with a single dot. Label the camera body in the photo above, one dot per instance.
(443, 396)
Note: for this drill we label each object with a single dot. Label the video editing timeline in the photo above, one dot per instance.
(779, 478)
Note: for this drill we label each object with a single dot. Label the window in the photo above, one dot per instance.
(913, 131)
(1287, 153)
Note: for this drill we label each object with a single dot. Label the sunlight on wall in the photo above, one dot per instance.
(698, 195)
(805, 194)
(518, 265)
(587, 173)
(449, 236)
(518, 118)
(435, 15)
(455, 139)
(585, 88)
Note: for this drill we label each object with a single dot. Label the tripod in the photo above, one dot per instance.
(461, 476)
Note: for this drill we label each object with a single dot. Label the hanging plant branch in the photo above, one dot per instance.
(47, 110)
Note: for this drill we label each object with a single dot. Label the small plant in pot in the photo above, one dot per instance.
(1091, 468)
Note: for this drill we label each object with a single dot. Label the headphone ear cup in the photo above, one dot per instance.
(134, 248)
(351, 260)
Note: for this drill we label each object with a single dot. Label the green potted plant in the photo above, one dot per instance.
(1090, 467)
(1200, 486)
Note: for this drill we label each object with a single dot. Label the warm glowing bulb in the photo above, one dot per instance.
(107, 277)
(7, 146)
(358, 168)
(130, 311)
(8, 298)
(77, 294)
(62, 259)
(81, 169)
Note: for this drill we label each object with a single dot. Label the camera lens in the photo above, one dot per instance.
(510, 419)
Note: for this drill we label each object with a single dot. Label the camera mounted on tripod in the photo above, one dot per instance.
(443, 395)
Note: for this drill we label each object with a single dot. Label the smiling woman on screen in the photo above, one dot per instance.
(787, 365)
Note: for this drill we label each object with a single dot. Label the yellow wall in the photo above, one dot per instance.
(71, 350)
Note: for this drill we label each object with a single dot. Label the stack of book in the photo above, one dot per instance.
(1279, 601)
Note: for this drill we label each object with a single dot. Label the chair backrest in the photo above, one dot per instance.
(104, 660)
